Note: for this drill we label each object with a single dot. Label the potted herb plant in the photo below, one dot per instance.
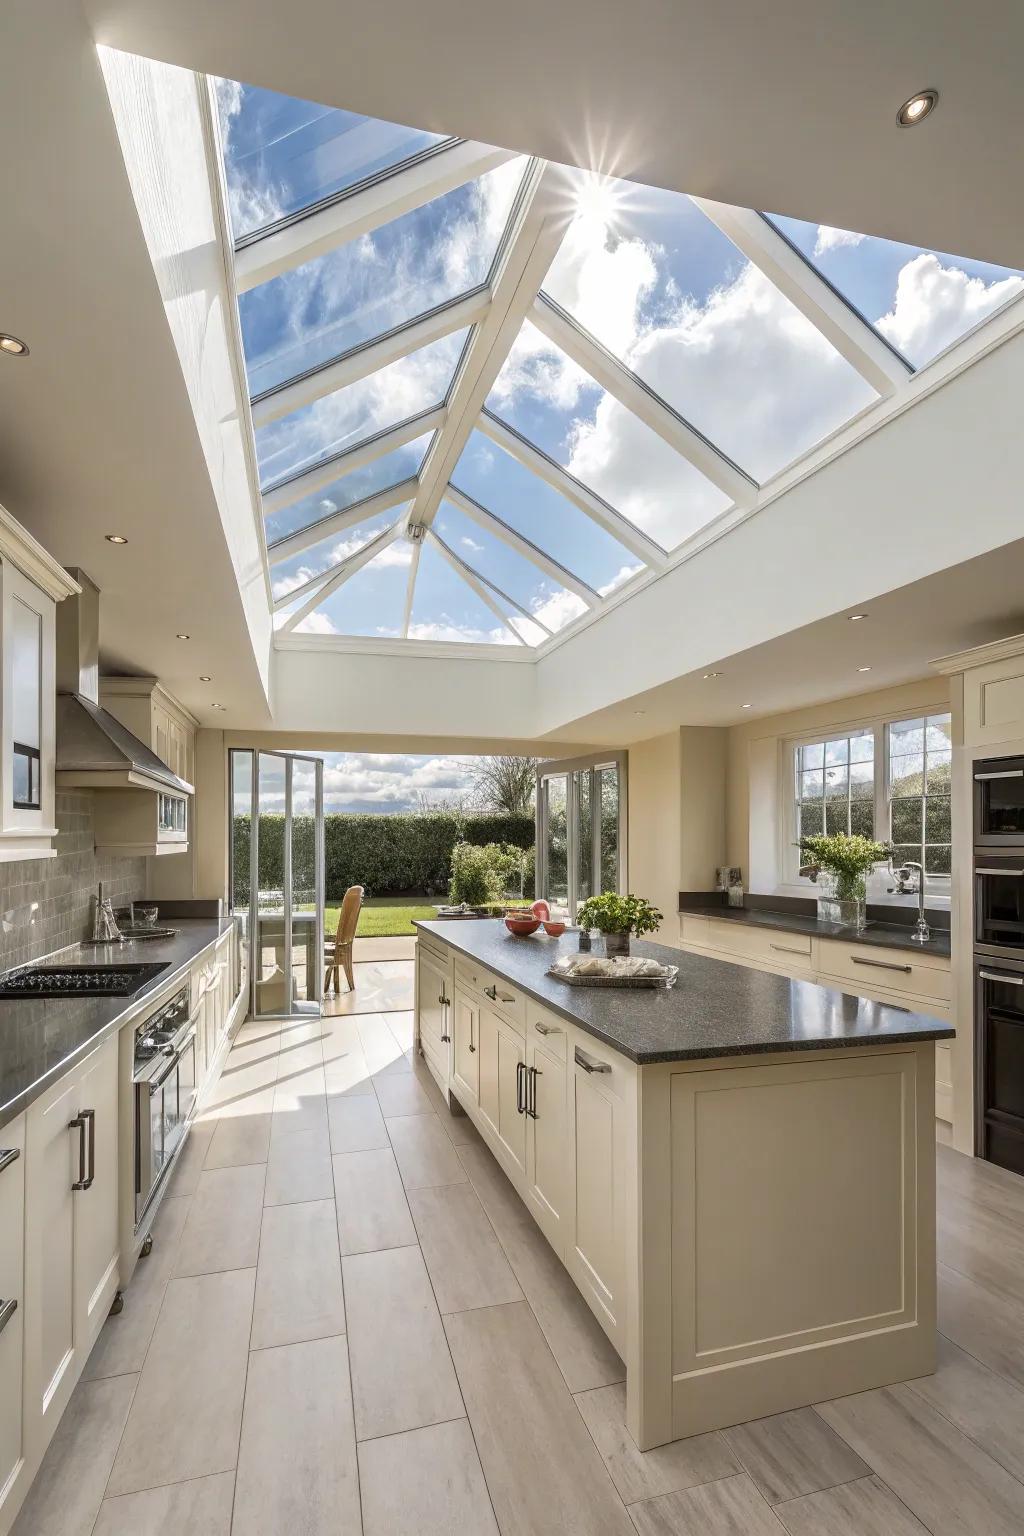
(840, 864)
(616, 917)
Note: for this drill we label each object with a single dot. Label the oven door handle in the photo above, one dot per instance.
(1015, 874)
(1006, 773)
(158, 1082)
(1002, 977)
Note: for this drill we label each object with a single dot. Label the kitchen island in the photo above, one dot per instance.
(738, 1173)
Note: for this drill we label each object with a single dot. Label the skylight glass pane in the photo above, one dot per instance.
(360, 290)
(516, 495)
(281, 154)
(446, 608)
(286, 575)
(921, 301)
(492, 558)
(371, 602)
(390, 469)
(560, 409)
(339, 421)
(647, 274)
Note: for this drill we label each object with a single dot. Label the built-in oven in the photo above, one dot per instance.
(164, 1079)
(998, 801)
(999, 1065)
(999, 900)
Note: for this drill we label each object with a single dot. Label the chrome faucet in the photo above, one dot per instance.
(104, 928)
(922, 933)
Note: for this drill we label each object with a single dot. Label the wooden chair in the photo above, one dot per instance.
(338, 951)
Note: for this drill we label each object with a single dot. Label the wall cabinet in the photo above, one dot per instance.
(130, 822)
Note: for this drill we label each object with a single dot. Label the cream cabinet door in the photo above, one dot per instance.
(548, 1170)
(596, 1248)
(466, 1046)
(431, 1012)
(511, 1125)
(489, 1097)
(12, 1311)
(97, 1245)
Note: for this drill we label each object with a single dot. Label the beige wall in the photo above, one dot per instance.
(677, 793)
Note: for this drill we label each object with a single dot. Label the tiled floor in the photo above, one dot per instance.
(350, 1324)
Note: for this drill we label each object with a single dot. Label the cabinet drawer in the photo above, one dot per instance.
(870, 967)
(598, 1062)
(501, 995)
(767, 944)
(943, 1064)
(428, 945)
(544, 1028)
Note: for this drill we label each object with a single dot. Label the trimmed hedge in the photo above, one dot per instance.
(391, 855)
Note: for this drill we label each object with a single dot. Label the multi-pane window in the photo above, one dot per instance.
(835, 785)
(920, 753)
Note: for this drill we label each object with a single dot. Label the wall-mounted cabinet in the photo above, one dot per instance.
(31, 585)
(130, 823)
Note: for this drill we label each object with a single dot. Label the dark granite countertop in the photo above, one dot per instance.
(40, 1039)
(887, 935)
(714, 1009)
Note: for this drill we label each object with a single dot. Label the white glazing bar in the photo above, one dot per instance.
(475, 585)
(337, 522)
(471, 572)
(410, 587)
(523, 546)
(339, 574)
(285, 494)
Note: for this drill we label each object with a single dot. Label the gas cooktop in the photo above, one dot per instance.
(78, 980)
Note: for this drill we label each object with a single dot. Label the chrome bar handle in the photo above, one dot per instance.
(882, 965)
(788, 949)
(1002, 977)
(532, 1074)
(545, 1029)
(8, 1157)
(590, 1063)
(7, 1311)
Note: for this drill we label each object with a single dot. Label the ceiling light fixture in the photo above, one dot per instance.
(12, 345)
(639, 711)
(218, 706)
(711, 674)
(917, 108)
(182, 636)
(863, 669)
(115, 538)
(853, 618)
(204, 679)
(746, 706)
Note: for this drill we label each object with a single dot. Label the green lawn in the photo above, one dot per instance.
(384, 917)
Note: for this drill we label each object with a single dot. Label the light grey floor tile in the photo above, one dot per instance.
(372, 1209)
(298, 1280)
(188, 1407)
(297, 1459)
(947, 1481)
(346, 1071)
(380, 1047)
(732, 1507)
(864, 1508)
(467, 1264)
(222, 1228)
(982, 1404)
(543, 1471)
(356, 1123)
(299, 1167)
(425, 1482)
(793, 1453)
(300, 1099)
(986, 1323)
(68, 1488)
(398, 1093)
(184, 1176)
(646, 1474)
(199, 1508)
(584, 1355)
(124, 1340)
(402, 1376)
(981, 1242)
(241, 1138)
(425, 1155)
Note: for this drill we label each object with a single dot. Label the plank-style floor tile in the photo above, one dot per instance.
(184, 1176)
(467, 1264)
(345, 1069)
(864, 1508)
(646, 1474)
(947, 1481)
(356, 1123)
(732, 1507)
(790, 1454)
(398, 1093)
(986, 1323)
(241, 1138)
(982, 1243)
(543, 1471)
(425, 1482)
(584, 1355)
(222, 1228)
(372, 1209)
(298, 1279)
(402, 1376)
(297, 1459)
(68, 1488)
(199, 1508)
(124, 1340)
(982, 1404)
(299, 1167)
(425, 1155)
(187, 1409)
(300, 1098)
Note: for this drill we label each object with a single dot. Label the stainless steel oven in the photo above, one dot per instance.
(999, 900)
(164, 1078)
(999, 1061)
(998, 802)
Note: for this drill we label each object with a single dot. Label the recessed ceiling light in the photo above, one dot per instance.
(204, 679)
(917, 108)
(115, 538)
(746, 706)
(639, 711)
(863, 669)
(218, 706)
(853, 618)
(12, 345)
(711, 674)
(182, 636)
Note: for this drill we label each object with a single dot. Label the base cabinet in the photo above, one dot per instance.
(466, 1047)
(548, 1178)
(13, 1462)
(596, 1256)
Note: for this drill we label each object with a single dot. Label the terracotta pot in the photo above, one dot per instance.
(616, 943)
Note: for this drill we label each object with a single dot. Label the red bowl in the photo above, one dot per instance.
(554, 929)
(522, 926)
(541, 909)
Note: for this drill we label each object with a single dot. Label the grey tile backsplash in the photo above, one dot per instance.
(64, 886)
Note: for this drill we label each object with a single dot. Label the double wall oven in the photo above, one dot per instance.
(164, 1081)
(999, 960)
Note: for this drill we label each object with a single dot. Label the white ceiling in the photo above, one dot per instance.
(789, 107)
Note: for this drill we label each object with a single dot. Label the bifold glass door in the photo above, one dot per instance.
(581, 828)
(277, 877)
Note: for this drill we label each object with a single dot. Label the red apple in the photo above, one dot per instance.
(542, 910)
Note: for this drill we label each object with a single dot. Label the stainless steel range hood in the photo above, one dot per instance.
(95, 751)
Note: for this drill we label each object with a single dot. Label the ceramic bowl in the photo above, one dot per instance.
(541, 910)
(522, 926)
(554, 929)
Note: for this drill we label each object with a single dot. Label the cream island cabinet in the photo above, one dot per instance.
(738, 1174)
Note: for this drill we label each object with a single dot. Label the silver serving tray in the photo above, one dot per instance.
(620, 983)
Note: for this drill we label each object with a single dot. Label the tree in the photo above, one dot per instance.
(506, 783)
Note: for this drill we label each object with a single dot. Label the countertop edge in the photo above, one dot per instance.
(939, 947)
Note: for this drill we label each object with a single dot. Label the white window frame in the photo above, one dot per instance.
(792, 883)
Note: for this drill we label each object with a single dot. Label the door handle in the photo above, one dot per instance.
(546, 1029)
(471, 1045)
(9, 1157)
(1003, 978)
(882, 965)
(590, 1063)
(446, 1039)
(520, 1072)
(788, 949)
(7, 1311)
(492, 993)
(531, 1092)
(79, 1124)
(90, 1116)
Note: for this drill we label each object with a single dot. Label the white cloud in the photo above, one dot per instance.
(471, 544)
(447, 629)
(250, 206)
(316, 624)
(934, 305)
(398, 553)
(829, 238)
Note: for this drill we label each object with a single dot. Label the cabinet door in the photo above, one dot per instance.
(489, 1095)
(12, 1290)
(511, 1097)
(466, 1042)
(548, 1173)
(96, 1244)
(431, 1013)
(596, 1249)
